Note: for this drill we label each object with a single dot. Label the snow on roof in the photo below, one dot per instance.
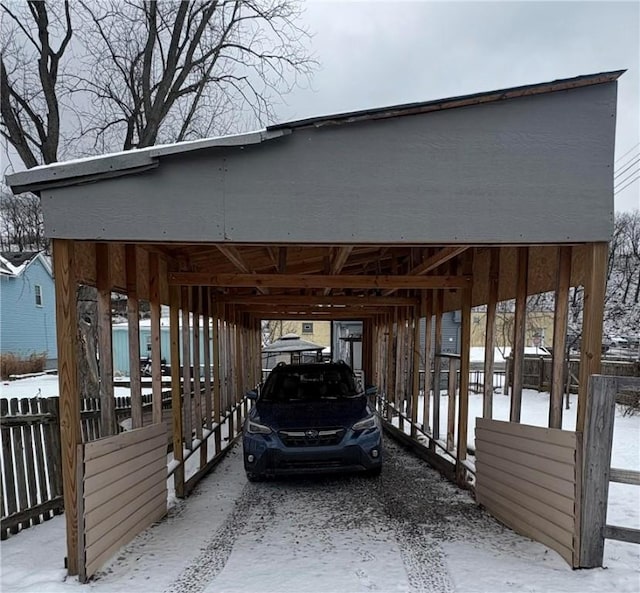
(292, 343)
(14, 263)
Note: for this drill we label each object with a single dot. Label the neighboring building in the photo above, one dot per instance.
(318, 332)
(27, 306)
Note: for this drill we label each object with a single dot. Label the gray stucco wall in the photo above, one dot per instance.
(532, 169)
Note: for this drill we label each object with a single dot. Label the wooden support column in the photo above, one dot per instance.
(217, 372)
(206, 305)
(105, 351)
(156, 354)
(591, 342)
(452, 377)
(597, 433)
(133, 319)
(489, 341)
(176, 390)
(560, 317)
(465, 355)
(69, 400)
(519, 323)
(415, 384)
(185, 304)
(390, 370)
(399, 384)
(427, 309)
(197, 391)
(439, 306)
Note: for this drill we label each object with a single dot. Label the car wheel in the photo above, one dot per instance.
(254, 477)
(374, 473)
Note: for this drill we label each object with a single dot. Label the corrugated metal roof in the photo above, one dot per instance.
(452, 102)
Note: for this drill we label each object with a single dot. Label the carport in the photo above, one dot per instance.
(387, 216)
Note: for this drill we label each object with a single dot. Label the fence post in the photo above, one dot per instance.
(594, 486)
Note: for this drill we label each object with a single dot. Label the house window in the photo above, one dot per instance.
(307, 328)
(38, 292)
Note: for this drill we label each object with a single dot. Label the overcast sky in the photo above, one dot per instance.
(374, 54)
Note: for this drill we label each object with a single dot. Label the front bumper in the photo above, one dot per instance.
(270, 457)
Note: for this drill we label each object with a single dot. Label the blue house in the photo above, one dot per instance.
(27, 306)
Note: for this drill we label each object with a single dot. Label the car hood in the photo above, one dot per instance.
(316, 414)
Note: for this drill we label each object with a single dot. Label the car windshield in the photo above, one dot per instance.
(309, 383)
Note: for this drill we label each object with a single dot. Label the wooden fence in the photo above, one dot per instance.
(31, 463)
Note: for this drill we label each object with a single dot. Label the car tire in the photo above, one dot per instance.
(374, 473)
(254, 477)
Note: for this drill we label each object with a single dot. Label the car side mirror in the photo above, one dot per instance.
(252, 394)
(371, 390)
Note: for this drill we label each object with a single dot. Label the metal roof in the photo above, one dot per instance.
(124, 163)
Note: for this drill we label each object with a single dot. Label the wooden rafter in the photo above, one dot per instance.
(337, 263)
(235, 257)
(431, 263)
(316, 300)
(316, 281)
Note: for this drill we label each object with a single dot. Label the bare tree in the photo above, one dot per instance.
(29, 77)
(21, 226)
(173, 71)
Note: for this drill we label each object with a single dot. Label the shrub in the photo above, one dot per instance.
(11, 364)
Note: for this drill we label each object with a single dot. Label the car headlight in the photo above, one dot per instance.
(255, 428)
(366, 424)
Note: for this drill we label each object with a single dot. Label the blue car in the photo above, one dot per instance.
(311, 418)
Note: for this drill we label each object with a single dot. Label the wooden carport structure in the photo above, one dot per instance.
(388, 215)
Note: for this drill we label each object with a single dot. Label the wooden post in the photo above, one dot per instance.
(185, 304)
(133, 319)
(217, 371)
(69, 400)
(560, 318)
(103, 276)
(197, 394)
(490, 333)
(390, 392)
(439, 306)
(156, 354)
(591, 342)
(519, 323)
(597, 439)
(176, 390)
(465, 353)
(451, 402)
(206, 304)
(427, 305)
(415, 386)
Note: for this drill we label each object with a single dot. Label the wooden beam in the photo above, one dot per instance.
(465, 364)
(282, 260)
(489, 340)
(156, 354)
(315, 281)
(560, 318)
(217, 371)
(427, 309)
(187, 401)
(519, 323)
(235, 257)
(592, 316)
(431, 263)
(340, 258)
(133, 319)
(105, 351)
(316, 300)
(176, 393)
(439, 306)
(415, 383)
(69, 400)
(206, 305)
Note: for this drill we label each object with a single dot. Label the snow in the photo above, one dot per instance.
(333, 536)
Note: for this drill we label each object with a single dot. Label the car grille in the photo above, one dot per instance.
(311, 437)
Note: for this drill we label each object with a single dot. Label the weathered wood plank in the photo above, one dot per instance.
(624, 476)
(40, 459)
(7, 459)
(427, 308)
(451, 402)
(489, 340)
(156, 354)
(105, 350)
(598, 435)
(19, 462)
(439, 306)
(622, 534)
(187, 400)
(30, 465)
(176, 392)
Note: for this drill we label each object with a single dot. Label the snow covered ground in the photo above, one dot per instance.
(407, 531)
